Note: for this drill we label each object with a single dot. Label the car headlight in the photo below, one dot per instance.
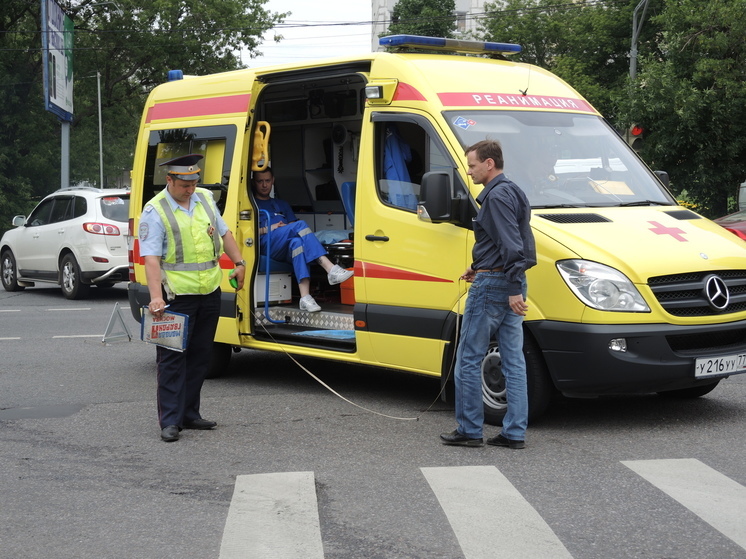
(601, 287)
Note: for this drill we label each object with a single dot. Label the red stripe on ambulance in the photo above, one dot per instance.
(405, 92)
(200, 107)
(378, 271)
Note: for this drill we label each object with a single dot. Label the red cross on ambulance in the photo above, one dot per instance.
(675, 232)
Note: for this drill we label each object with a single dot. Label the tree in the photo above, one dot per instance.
(586, 44)
(430, 18)
(690, 96)
(24, 128)
(132, 44)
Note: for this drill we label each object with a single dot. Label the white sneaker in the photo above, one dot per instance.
(308, 304)
(338, 275)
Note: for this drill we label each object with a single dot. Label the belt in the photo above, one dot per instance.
(500, 269)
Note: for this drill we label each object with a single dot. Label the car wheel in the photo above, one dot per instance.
(692, 392)
(72, 286)
(494, 394)
(9, 272)
(221, 358)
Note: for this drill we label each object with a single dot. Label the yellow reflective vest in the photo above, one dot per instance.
(190, 265)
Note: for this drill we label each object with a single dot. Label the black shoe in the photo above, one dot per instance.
(499, 440)
(201, 424)
(457, 439)
(170, 434)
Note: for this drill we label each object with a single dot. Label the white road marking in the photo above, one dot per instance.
(10, 310)
(714, 497)
(78, 336)
(480, 502)
(273, 516)
(10, 338)
(71, 309)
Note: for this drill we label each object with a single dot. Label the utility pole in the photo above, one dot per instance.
(100, 134)
(636, 27)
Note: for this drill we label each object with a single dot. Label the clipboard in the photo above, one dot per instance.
(169, 331)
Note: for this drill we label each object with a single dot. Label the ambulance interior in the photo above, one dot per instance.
(313, 150)
(313, 146)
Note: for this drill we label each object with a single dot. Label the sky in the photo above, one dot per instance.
(306, 37)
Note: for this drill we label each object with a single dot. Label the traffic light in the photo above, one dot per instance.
(635, 135)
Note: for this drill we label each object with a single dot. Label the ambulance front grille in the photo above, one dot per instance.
(686, 295)
(695, 344)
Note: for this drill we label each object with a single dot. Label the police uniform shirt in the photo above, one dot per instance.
(153, 238)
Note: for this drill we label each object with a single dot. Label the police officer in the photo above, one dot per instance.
(182, 236)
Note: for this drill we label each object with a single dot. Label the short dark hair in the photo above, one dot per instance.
(488, 149)
(268, 169)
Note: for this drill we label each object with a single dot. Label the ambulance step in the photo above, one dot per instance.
(293, 316)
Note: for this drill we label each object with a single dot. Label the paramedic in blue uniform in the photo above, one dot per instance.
(504, 249)
(291, 240)
(182, 236)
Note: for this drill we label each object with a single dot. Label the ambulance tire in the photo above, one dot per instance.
(540, 387)
(9, 272)
(692, 392)
(221, 358)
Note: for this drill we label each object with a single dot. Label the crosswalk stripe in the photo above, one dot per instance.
(490, 517)
(273, 516)
(715, 498)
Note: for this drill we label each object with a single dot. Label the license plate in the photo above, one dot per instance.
(723, 365)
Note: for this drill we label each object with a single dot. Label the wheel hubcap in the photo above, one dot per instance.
(68, 277)
(493, 383)
(8, 273)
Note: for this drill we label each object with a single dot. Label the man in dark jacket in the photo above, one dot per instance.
(504, 249)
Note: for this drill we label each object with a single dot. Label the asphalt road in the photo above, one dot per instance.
(84, 474)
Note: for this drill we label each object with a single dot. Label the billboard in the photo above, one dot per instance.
(57, 58)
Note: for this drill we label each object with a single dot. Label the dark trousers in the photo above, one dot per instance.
(181, 374)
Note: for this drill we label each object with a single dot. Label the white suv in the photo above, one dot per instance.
(75, 237)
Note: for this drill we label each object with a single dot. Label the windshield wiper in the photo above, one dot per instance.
(552, 206)
(646, 203)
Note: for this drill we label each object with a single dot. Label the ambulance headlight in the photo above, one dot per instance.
(601, 287)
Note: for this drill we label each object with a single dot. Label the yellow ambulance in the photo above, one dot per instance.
(632, 292)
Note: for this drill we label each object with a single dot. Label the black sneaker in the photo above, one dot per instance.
(457, 439)
(499, 440)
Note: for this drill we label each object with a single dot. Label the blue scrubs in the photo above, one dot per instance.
(294, 242)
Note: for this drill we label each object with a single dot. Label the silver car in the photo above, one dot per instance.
(75, 237)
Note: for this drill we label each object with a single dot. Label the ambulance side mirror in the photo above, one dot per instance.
(663, 177)
(435, 197)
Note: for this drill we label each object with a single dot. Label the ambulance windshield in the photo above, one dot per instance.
(563, 159)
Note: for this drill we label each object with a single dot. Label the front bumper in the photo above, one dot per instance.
(659, 357)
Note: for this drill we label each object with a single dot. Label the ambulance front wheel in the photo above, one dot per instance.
(221, 358)
(494, 396)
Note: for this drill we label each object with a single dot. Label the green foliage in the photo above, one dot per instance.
(430, 18)
(690, 91)
(586, 44)
(132, 44)
(692, 100)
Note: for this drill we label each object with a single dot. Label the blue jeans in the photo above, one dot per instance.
(487, 313)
